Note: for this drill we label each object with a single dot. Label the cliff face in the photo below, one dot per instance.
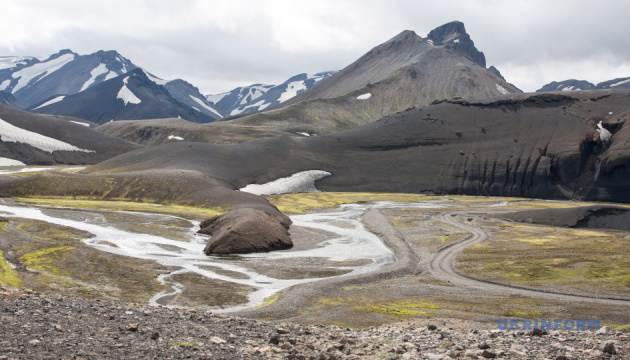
(543, 146)
(529, 145)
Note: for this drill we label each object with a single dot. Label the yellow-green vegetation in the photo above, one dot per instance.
(392, 308)
(401, 309)
(299, 203)
(268, 301)
(190, 212)
(48, 259)
(49, 168)
(57, 260)
(8, 276)
(541, 256)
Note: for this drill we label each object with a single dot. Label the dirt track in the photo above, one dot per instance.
(441, 267)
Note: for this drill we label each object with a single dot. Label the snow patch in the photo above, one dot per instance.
(217, 97)
(110, 75)
(5, 84)
(126, 95)
(80, 123)
(155, 79)
(253, 93)
(569, 88)
(11, 133)
(96, 72)
(620, 83)
(205, 106)
(51, 101)
(292, 90)
(303, 133)
(8, 62)
(430, 42)
(364, 96)
(173, 137)
(297, 183)
(40, 70)
(261, 106)
(10, 162)
(456, 41)
(604, 135)
(501, 89)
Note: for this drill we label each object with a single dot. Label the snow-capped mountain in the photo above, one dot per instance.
(34, 81)
(574, 85)
(132, 95)
(257, 97)
(189, 95)
(51, 85)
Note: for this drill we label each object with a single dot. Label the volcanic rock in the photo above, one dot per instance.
(245, 231)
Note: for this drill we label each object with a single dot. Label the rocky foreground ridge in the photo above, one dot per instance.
(39, 326)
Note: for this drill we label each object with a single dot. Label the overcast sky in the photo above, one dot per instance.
(219, 45)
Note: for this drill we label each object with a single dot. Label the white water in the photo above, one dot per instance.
(38, 169)
(350, 242)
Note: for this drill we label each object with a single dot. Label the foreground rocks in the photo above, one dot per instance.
(38, 326)
(245, 231)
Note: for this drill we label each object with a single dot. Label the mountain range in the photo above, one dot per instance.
(574, 85)
(414, 114)
(258, 97)
(405, 72)
(95, 87)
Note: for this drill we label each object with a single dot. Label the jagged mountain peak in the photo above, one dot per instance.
(454, 34)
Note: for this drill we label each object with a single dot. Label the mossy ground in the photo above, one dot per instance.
(550, 257)
(189, 212)
(299, 203)
(52, 258)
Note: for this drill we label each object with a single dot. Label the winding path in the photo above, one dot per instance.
(440, 265)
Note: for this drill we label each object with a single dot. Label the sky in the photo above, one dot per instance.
(220, 45)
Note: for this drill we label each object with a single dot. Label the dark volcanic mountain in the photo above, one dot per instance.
(257, 97)
(47, 140)
(404, 72)
(443, 65)
(527, 145)
(130, 96)
(574, 85)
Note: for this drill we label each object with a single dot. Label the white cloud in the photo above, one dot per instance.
(218, 45)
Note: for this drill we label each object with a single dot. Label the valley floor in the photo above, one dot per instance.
(453, 264)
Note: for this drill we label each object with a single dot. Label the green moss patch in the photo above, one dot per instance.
(189, 212)
(541, 256)
(52, 258)
(8, 275)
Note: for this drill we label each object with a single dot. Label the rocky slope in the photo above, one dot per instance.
(406, 71)
(47, 140)
(35, 325)
(530, 145)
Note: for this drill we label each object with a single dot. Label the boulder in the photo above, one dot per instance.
(245, 231)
